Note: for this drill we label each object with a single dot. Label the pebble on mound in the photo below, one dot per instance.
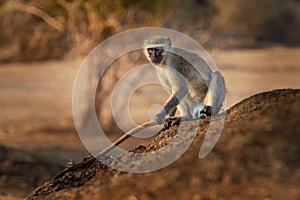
(256, 157)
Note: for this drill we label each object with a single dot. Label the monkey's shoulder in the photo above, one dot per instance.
(182, 57)
(186, 55)
(189, 64)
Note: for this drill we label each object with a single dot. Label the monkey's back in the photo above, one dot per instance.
(191, 66)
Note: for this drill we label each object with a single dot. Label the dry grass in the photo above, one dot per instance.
(38, 30)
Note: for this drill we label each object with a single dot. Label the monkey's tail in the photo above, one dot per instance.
(125, 136)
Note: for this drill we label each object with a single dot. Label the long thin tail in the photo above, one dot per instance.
(125, 136)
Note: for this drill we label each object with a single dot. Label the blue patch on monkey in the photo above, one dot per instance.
(197, 111)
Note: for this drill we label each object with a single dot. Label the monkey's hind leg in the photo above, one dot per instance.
(215, 95)
(171, 120)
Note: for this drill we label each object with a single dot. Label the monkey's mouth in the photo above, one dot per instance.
(157, 60)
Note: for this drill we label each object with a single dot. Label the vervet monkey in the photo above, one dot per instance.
(193, 87)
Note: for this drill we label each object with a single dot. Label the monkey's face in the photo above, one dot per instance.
(156, 55)
(156, 48)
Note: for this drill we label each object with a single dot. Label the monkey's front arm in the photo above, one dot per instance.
(179, 89)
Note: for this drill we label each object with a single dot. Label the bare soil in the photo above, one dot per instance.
(256, 157)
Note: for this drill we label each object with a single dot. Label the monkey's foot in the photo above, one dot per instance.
(171, 121)
(207, 111)
(202, 112)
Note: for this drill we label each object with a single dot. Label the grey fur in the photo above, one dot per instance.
(188, 86)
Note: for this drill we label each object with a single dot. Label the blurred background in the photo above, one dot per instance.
(255, 44)
(54, 29)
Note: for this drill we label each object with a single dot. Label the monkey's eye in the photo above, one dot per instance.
(150, 51)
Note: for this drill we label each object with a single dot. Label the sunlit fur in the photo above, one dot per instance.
(190, 86)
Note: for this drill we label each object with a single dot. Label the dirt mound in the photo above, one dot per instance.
(256, 157)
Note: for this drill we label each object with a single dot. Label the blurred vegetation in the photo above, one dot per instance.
(36, 30)
(270, 20)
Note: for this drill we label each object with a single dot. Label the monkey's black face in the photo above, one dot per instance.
(156, 55)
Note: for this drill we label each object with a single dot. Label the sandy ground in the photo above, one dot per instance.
(36, 98)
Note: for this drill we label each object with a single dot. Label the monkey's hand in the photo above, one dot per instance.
(160, 117)
(171, 121)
